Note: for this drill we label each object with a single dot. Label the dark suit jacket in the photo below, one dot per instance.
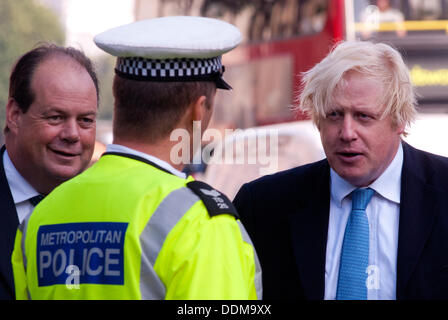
(8, 227)
(286, 215)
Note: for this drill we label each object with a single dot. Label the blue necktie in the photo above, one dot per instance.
(355, 250)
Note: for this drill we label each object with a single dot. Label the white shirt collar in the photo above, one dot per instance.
(165, 165)
(21, 190)
(388, 184)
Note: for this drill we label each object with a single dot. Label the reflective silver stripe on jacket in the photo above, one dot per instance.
(162, 221)
(257, 279)
(23, 227)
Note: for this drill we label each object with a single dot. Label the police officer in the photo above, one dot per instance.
(133, 226)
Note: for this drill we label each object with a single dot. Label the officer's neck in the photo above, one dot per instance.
(161, 149)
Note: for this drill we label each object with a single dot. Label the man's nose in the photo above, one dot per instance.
(347, 130)
(70, 131)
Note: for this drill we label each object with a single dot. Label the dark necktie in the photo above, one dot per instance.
(36, 199)
(355, 250)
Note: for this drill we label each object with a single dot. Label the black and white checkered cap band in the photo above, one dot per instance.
(178, 69)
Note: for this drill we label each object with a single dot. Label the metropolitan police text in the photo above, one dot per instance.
(86, 236)
(95, 248)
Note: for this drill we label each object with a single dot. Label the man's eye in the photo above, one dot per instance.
(333, 114)
(54, 118)
(87, 121)
(364, 116)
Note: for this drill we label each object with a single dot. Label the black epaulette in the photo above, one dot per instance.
(215, 202)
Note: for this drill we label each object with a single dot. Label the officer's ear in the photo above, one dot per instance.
(199, 110)
(13, 113)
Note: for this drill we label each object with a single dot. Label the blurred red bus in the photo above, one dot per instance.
(281, 40)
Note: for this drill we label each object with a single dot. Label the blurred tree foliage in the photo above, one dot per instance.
(23, 23)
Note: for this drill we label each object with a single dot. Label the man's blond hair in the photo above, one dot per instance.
(377, 61)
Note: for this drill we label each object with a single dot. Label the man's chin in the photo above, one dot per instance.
(353, 175)
(359, 181)
(64, 173)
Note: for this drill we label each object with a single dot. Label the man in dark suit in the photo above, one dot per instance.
(371, 220)
(49, 136)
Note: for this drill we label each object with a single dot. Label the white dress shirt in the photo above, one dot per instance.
(165, 165)
(21, 190)
(383, 213)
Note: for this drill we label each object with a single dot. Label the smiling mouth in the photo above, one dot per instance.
(63, 153)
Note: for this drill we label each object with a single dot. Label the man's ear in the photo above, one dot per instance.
(199, 109)
(13, 113)
(400, 128)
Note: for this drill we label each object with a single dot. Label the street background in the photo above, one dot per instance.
(282, 38)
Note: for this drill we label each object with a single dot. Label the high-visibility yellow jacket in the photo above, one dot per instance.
(126, 229)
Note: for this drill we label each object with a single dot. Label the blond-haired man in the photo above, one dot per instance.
(371, 220)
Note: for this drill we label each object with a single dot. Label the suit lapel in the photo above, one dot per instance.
(8, 209)
(418, 207)
(309, 228)
(8, 227)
